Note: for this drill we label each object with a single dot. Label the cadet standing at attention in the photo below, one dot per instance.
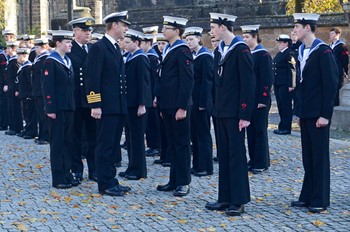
(234, 104)
(106, 95)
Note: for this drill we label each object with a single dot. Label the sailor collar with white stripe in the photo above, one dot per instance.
(57, 57)
(336, 43)
(236, 41)
(44, 54)
(315, 45)
(258, 49)
(139, 52)
(202, 51)
(169, 48)
(152, 52)
(27, 63)
(15, 57)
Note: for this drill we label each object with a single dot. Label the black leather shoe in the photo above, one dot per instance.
(203, 173)
(92, 177)
(10, 132)
(182, 190)
(165, 164)
(114, 191)
(122, 174)
(158, 161)
(132, 177)
(62, 186)
(282, 132)
(317, 209)
(78, 176)
(258, 170)
(151, 152)
(124, 188)
(235, 210)
(41, 142)
(217, 206)
(20, 134)
(75, 182)
(299, 204)
(165, 188)
(28, 136)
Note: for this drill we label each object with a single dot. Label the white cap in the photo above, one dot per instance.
(160, 37)
(116, 17)
(40, 42)
(28, 37)
(250, 29)
(62, 34)
(96, 36)
(23, 50)
(225, 19)
(175, 21)
(8, 32)
(12, 44)
(134, 34)
(83, 23)
(283, 38)
(193, 31)
(21, 37)
(306, 18)
(150, 30)
(148, 37)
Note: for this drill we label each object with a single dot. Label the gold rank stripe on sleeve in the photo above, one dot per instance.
(93, 97)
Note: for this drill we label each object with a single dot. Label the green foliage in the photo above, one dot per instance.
(316, 6)
(2, 14)
(35, 30)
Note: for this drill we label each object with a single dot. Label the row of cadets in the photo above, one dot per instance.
(341, 57)
(283, 69)
(24, 83)
(41, 49)
(258, 146)
(164, 158)
(84, 124)
(234, 106)
(106, 96)
(319, 79)
(203, 66)
(58, 94)
(9, 35)
(139, 101)
(174, 99)
(14, 106)
(153, 136)
(28, 42)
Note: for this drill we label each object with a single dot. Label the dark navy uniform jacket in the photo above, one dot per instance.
(263, 73)
(319, 82)
(3, 64)
(235, 83)
(105, 78)
(154, 65)
(24, 76)
(37, 74)
(137, 70)
(203, 66)
(282, 68)
(78, 57)
(342, 58)
(175, 84)
(11, 74)
(58, 84)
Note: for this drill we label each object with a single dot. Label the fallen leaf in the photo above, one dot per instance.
(67, 199)
(162, 219)
(22, 227)
(318, 223)
(151, 215)
(182, 221)
(38, 166)
(233, 219)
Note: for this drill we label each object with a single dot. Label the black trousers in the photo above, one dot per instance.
(135, 133)
(82, 118)
(41, 118)
(4, 114)
(153, 130)
(202, 142)
(258, 141)
(29, 115)
(165, 153)
(315, 153)
(233, 168)
(284, 104)
(15, 113)
(178, 139)
(61, 144)
(109, 130)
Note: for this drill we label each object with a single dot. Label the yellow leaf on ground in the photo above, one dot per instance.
(68, 199)
(181, 221)
(38, 166)
(318, 223)
(22, 227)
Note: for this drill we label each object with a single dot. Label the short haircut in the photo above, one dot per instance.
(337, 30)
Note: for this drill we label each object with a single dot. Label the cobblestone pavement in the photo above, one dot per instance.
(29, 203)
